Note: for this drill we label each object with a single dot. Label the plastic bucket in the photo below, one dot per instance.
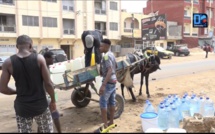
(149, 120)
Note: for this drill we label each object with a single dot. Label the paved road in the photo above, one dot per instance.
(183, 68)
(173, 69)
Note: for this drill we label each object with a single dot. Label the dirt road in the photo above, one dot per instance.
(88, 119)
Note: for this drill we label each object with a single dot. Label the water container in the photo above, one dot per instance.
(98, 82)
(145, 105)
(201, 106)
(154, 130)
(178, 106)
(176, 130)
(173, 119)
(185, 110)
(162, 118)
(193, 106)
(209, 108)
(77, 64)
(149, 108)
(149, 120)
(160, 105)
(56, 73)
(68, 64)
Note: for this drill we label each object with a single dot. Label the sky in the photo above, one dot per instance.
(133, 5)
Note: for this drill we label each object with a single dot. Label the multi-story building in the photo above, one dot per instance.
(57, 23)
(181, 11)
(131, 28)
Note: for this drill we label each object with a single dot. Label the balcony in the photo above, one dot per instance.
(7, 29)
(7, 2)
(127, 30)
(100, 11)
(69, 31)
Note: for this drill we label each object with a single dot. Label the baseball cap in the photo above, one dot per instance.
(89, 41)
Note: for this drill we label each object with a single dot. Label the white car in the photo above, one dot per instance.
(4, 56)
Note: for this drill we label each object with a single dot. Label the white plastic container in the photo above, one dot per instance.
(149, 120)
(56, 73)
(77, 64)
(68, 64)
(176, 130)
(98, 82)
(154, 130)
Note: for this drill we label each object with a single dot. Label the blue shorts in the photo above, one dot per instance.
(108, 98)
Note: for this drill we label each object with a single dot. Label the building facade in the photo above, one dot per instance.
(57, 23)
(181, 11)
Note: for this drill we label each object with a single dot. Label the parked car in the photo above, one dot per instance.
(4, 56)
(59, 54)
(179, 49)
(159, 51)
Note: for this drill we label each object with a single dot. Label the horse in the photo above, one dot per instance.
(145, 67)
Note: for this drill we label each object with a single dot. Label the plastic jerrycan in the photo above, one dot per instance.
(56, 73)
(92, 61)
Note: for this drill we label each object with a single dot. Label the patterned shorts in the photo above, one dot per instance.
(44, 122)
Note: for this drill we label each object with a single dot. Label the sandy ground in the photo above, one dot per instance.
(88, 119)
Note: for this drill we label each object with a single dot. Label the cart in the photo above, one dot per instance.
(81, 95)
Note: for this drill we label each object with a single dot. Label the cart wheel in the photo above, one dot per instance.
(119, 107)
(80, 101)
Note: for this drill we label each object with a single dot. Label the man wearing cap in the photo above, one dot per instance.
(107, 91)
(91, 39)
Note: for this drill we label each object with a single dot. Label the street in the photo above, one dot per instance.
(169, 72)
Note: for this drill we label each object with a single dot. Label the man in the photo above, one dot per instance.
(107, 91)
(55, 114)
(30, 74)
(207, 49)
(91, 39)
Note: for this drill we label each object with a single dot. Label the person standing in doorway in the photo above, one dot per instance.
(30, 73)
(107, 91)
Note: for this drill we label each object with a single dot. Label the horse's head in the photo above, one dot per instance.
(138, 53)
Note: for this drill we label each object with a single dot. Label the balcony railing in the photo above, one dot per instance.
(187, 17)
(69, 31)
(186, 33)
(194, 34)
(10, 29)
(127, 30)
(8, 2)
(102, 31)
(100, 11)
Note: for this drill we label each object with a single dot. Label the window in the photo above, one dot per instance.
(30, 20)
(6, 1)
(49, 22)
(113, 26)
(124, 24)
(196, 1)
(185, 13)
(113, 6)
(50, 0)
(68, 5)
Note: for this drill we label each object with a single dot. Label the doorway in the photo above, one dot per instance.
(66, 49)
